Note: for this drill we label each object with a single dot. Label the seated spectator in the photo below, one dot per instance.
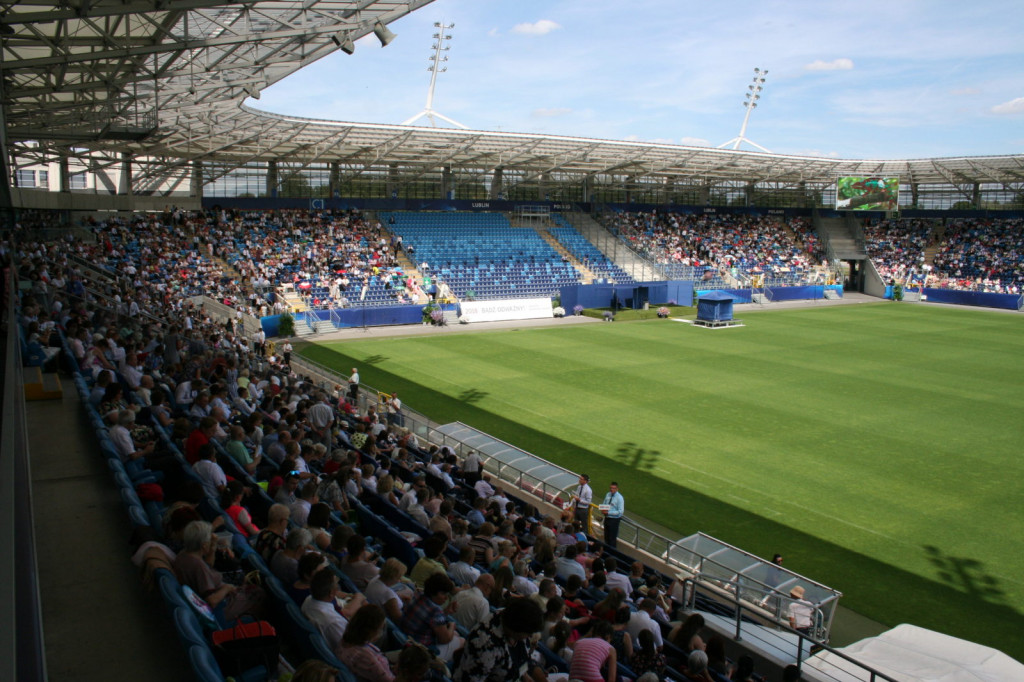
(718, 664)
(431, 562)
(235, 447)
(472, 606)
(357, 650)
(380, 590)
(499, 648)
(643, 619)
(285, 562)
(617, 580)
(462, 571)
(309, 564)
(322, 609)
(193, 566)
(425, 620)
(358, 565)
(460, 533)
(304, 502)
(567, 564)
(231, 503)
(505, 557)
(686, 635)
(697, 667)
(647, 657)
(622, 640)
(271, 538)
(481, 544)
(441, 522)
(209, 472)
(317, 523)
(386, 488)
(744, 670)
(523, 584)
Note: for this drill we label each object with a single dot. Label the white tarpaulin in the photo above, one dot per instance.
(508, 309)
(912, 654)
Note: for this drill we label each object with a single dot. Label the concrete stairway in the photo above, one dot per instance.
(545, 234)
(838, 233)
(40, 385)
(617, 252)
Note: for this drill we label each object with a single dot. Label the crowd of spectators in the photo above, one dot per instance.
(985, 255)
(981, 255)
(202, 412)
(733, 243)
(340, 251)
(897, 247)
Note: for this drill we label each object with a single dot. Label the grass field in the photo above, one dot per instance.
(878, 447)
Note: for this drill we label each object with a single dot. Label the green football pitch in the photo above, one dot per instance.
(876, 446)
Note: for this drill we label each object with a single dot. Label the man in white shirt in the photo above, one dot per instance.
(484, 488)
(323, 611)
(616, 579)
(582, 499)
(643, 619)
(353, 386)
(471, 467)
(472, 605)
(462, 571)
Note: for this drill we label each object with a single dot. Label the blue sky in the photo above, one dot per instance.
(865, 79)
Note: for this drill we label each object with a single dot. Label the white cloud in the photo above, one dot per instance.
(494, 33)
(694, 142)
(548, 113)
(1011, 108)
(537, 28)
(841, 64)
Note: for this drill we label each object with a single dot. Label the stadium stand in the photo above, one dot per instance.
(199, 381)
(701, 247)
(481, 255)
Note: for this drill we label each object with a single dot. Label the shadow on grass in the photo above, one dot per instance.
(472, 395)
(885, 593)
(636, 457)
(376, 359)
(964, 573)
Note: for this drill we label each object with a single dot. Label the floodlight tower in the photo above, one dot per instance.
(437, 59)
(750, 102)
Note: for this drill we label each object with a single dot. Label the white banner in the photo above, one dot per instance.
(508, 309)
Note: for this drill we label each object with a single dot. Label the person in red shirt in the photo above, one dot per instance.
(199, 437)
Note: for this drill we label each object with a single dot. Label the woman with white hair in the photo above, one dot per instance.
(194, 567)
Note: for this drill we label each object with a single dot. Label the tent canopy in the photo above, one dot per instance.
(715, 306)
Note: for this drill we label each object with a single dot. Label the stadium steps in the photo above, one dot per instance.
(40, 385)
(598, 235)
(836, 234)
(545, 234)
(230, 269)
(302, 328)
(410, 269)
(293, 300)
(935, 243)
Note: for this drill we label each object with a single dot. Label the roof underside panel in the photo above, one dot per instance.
(167, 78)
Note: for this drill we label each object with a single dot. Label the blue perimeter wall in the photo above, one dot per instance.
(354, 317)
(600, 295)
(975, 298)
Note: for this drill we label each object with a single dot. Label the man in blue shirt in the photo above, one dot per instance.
(616, 507)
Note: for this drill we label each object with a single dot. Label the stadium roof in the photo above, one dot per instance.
(167, 79)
